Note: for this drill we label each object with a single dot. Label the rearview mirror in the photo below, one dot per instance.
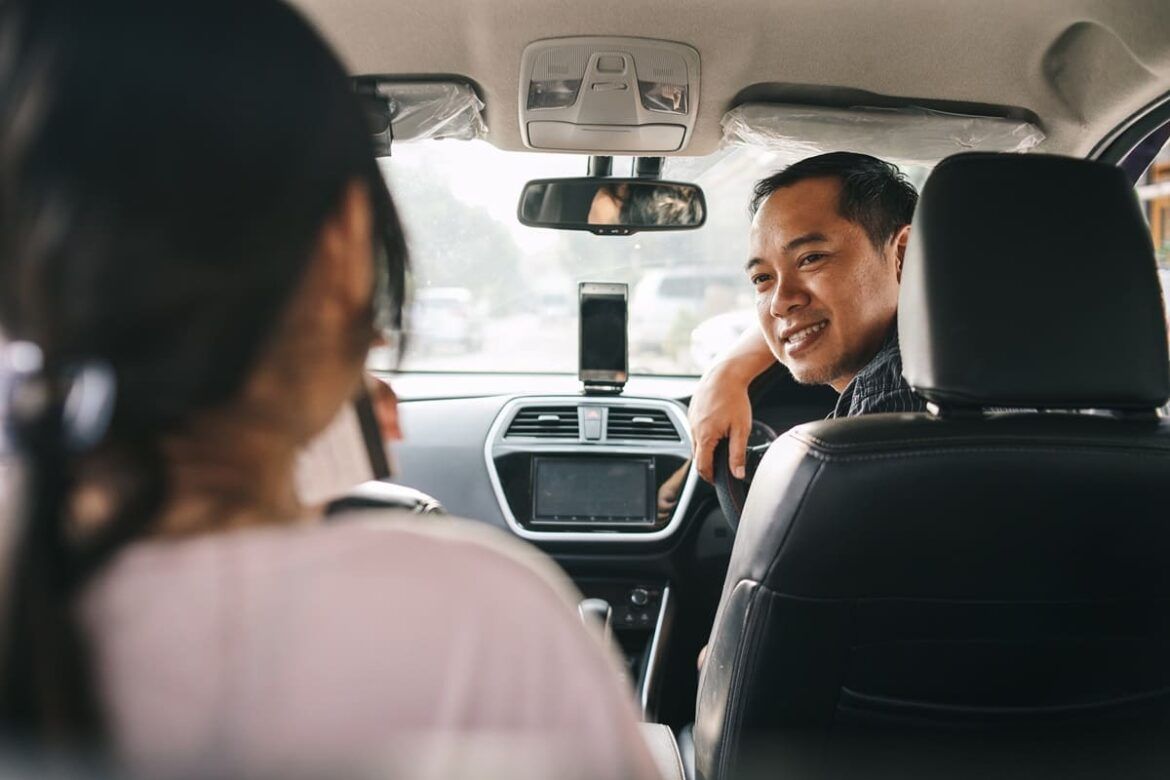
(612, 207)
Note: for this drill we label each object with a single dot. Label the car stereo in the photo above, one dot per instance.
(593, 491)
(591, 469)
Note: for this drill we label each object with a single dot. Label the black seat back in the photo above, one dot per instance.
(965, 591)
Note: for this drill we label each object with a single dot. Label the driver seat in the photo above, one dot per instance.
(968, 592)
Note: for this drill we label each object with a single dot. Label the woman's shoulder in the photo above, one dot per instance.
(450, 545)
(351, 632)
(373, 554)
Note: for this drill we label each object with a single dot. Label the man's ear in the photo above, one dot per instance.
(900, 240)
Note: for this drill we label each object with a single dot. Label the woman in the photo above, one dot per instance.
(194, 238)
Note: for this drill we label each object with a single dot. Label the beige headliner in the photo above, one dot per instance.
(1080, 66)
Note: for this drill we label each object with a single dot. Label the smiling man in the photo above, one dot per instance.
(828, 239)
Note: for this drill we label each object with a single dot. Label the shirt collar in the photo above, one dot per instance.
(876, 370)
(882, 372)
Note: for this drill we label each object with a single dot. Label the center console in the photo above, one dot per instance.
(609, 470)
(591, 469)
(640, 621)
(600, 468)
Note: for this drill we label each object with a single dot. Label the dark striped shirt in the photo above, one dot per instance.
(879, 386)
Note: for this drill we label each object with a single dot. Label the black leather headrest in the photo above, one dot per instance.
(1030, 281)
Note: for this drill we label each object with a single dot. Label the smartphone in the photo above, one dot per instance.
(347, 453)
(603, 357)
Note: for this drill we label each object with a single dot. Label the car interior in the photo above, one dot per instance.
(978, 589)
(923, 577)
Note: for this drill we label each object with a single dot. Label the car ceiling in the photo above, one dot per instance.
(1079, 68)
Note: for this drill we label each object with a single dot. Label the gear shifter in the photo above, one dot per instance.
(596, 611)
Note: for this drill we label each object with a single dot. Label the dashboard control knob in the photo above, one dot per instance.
(639, 597)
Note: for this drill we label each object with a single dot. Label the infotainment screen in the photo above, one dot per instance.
(593, 490)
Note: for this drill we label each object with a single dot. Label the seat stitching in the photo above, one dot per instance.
(827, 457)
(967, 601)
(748, 651)
(818, 442)
(800, 505)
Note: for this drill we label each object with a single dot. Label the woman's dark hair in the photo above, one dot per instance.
(874, 193)
(165, 171)
(663, 205)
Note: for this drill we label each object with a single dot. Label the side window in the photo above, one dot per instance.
(1148, 165)
(1150, 161)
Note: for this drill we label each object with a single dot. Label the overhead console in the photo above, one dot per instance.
(608, 95)
(573, 468)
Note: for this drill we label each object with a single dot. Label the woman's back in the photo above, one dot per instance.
(410, 647)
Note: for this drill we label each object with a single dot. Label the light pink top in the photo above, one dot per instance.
(395, 647)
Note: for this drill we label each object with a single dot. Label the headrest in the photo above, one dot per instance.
(1030, 281)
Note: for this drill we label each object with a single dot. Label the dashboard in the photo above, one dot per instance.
(454, 427)
(603, 484)
(590, 468)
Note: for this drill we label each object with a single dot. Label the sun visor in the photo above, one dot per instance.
(608, 95)
(401, 111)
(907, 136)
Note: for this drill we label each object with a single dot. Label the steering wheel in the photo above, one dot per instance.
(732, 492)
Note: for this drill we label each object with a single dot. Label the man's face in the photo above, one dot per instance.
(825, 295)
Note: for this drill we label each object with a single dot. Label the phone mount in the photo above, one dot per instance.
(602, 388)
(602, 365)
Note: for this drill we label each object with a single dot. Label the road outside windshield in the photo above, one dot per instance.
(493, 295)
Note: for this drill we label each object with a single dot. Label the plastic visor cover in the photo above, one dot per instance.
(909, 136)
(433, 109)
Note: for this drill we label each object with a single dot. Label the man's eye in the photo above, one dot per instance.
(809, 259)
(759, 279)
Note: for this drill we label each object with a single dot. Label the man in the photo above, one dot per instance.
(828, 238)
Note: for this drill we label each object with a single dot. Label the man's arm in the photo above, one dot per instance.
(720, 408)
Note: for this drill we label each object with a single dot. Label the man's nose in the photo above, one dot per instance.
(787, 295)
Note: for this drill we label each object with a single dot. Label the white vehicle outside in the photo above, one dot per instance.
(715, 335)
(445, 318)
(667, 304)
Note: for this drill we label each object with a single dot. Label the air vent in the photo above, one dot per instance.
(544, 422)
(643, 424)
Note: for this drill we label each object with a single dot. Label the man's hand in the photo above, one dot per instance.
(720, 408)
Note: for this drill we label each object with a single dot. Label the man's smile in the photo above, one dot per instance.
(798, 339)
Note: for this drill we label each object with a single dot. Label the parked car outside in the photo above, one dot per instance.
(446, 319)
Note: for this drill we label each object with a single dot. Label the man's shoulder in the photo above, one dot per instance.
(895, 397)
(880, 387)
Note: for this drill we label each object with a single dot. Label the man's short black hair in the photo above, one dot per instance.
(874, 193)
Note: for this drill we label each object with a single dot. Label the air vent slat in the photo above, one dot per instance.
(640, 424)
(545, 422)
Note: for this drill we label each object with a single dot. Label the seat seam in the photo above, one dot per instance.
(795, 515)
(970, 450)
(969, 709)
(818, 443)
(746, 650)
(969, 602)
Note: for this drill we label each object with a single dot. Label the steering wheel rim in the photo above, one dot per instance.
(732, 492)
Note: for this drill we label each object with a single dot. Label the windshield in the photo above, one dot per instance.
(493, 295)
